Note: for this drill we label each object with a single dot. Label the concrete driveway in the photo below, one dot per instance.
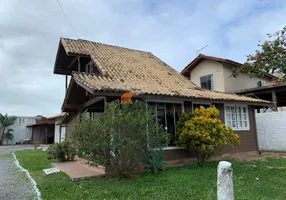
(14, 184)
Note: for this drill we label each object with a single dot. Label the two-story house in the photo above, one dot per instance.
(216, 74)
(101, 73)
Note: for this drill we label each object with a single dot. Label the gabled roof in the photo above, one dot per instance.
(202, 57)
(42, 122)
(124, 69)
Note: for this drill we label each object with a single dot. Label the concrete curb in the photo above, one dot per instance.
(36, 189)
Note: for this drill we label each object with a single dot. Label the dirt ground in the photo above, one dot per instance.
(250, 156)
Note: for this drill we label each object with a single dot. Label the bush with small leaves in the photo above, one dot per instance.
(121, 138)
(63, 151)
(36, 144)
(205, 133)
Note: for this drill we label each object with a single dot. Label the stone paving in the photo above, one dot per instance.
(78, 170)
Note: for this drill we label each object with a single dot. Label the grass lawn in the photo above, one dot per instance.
(190, 182)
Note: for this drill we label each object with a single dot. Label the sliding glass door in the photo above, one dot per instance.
(167, 116)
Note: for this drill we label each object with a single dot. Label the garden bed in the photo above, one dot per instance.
(252, 180)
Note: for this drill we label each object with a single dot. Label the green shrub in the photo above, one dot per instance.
(36, 144)
(185, 116)
(204, 133)
(121, 138)
(8, 135)
(155, 162)
(63, 151)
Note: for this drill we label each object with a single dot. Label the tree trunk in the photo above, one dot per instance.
(2, 136)
(202, 158)
(198, 159)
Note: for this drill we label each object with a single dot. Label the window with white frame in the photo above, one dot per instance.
(236, 116)
(207, 82)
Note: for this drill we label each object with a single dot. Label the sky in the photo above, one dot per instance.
(172, 30)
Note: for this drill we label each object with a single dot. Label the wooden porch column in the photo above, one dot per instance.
(32, 134)
(66, 80)
(78, 64)
(46, 135)
(60, 139)
(274, 99)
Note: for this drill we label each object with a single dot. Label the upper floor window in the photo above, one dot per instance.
(207, 82)
(89, 68)
(236, 116)
(261, 83)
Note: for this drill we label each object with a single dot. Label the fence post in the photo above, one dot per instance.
(224, 181)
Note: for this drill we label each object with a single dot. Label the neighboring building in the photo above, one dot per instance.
(43, 131)
(40, 129)
(101, 73)
(21, 131)
(48, 130)
(216, 74)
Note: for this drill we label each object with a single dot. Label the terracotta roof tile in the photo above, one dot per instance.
(126, 69)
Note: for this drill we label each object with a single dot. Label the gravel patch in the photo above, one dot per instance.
(14, 184)
(10, 148)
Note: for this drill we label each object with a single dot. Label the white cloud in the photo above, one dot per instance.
(172, 30)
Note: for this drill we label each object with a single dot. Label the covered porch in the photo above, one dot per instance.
(275, 93)
(43, 131)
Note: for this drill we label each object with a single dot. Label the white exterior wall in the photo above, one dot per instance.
(63, 134)
(223, 79)
(207, 67)
(271, 131)
(21, 131)
(241, 82)
(59, 133)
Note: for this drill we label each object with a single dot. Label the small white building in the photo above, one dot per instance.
(29, 128)
(20, 130)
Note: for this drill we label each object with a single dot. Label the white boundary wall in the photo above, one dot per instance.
(271, 130)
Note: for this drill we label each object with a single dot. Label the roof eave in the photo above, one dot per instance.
(56, 60)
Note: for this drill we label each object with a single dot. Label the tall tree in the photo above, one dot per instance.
(5, 121)
(270, 58)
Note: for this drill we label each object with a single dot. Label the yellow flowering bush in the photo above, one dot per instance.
(204, 133)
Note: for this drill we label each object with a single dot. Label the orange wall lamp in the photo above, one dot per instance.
(126, 98)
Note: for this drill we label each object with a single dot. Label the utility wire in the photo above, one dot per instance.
(67, 18)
